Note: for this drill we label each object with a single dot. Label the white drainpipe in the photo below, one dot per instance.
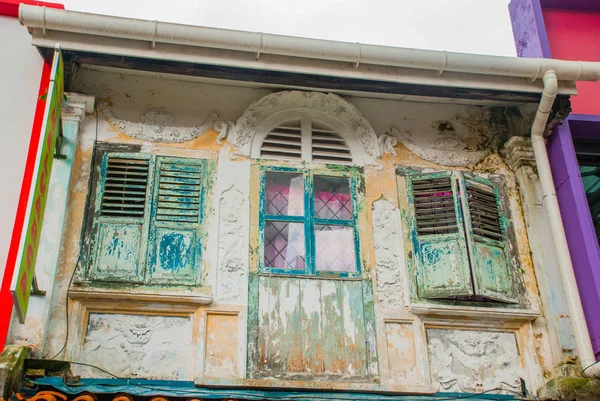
(582, 338)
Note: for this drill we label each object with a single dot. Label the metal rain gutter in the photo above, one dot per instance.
(262, 43)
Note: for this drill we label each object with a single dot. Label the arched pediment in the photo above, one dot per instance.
(260, 117)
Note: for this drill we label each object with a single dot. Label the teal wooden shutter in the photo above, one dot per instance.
(121, 218)
(438, 237)
(174, 254)
(486, 238)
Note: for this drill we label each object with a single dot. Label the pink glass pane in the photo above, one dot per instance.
(335, 248)
(332, 198)
(284, 194)
(284, 245)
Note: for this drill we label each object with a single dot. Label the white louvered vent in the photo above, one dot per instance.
(434, 206)
(328, 146)
(308, 140)
(483, 208)
(179, 193)
(125, 188)
(283, 142)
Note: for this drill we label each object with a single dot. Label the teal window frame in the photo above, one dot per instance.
(310, 220)
(151, 227)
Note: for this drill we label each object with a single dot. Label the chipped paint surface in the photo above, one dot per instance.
(221, 357)
(314, 328)
(266, 328)
(401, 352)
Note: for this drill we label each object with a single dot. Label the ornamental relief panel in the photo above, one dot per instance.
(473, 360)
(388, 259)
(139, 346)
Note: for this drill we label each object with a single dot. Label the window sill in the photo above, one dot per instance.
(190, 298)
(408, 388)
(512, 314)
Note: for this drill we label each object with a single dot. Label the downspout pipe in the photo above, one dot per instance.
(258, 43)
(550, 201)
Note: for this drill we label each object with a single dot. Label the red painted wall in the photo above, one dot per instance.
(575, 35)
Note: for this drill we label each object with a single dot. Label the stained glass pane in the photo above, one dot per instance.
(284, 194)
(332, 198)
(335, 248)
(284, 245)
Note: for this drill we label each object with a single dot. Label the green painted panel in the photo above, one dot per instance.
(118, 252)
(486, 238)
(174, 255)
(443, 267)
(311, 329)
(492, 277)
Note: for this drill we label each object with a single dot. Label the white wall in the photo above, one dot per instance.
(20, 73)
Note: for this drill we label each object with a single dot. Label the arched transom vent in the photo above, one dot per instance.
(308, 140)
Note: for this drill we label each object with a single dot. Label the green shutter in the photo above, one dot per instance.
(174, 254)
(487, 240)
(438, 237)
(121, 218)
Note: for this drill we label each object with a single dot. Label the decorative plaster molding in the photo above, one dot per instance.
(388, 262)
(518, 152)
(447, 151)
(159, 125)
(224, 128)
(76, 107)
(357, 128)
(387, 143)
(474, 360)
(231, 245)
(152, 347)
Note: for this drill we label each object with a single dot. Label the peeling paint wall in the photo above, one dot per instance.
(240, 325)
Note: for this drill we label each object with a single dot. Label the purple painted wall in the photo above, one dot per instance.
(577, 220)
(528, 29)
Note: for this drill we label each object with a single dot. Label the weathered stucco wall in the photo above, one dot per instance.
(239, 318)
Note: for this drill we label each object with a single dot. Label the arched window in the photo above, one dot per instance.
(305, 139)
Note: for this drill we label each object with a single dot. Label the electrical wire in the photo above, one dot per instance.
(587, 367)
(79, 255)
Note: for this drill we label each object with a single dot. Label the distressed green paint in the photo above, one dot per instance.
(442, 260)
(253, 331)
(447, 265)
(311, 328)
(146, 249)
(119, 244)
(491, 276)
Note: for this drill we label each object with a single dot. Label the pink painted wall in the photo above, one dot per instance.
(575, 35)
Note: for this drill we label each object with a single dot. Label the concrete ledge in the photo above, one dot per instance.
(12, 362)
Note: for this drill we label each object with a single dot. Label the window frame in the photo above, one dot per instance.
(88, 259)
(465, 234)
(310, 220)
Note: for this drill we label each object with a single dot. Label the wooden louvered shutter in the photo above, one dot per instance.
(174, 254)
(438, 237)
(486, 238)
(120, 218)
